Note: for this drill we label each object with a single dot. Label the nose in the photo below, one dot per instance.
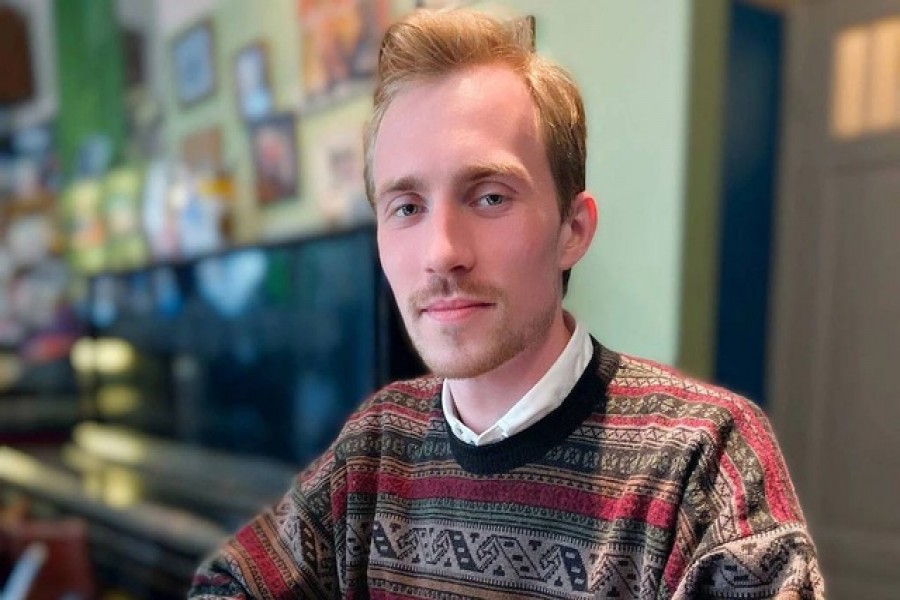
(449, 248)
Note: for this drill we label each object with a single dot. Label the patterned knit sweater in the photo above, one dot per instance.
(642, 484)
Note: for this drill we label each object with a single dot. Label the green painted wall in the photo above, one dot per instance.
(90, 76)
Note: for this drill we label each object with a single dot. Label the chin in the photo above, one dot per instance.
(455, 369)
(454, 362)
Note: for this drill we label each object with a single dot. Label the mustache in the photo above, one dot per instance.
(444, 287)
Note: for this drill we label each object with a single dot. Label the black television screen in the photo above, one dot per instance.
(261, 350)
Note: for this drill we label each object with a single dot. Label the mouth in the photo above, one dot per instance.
(452, 310)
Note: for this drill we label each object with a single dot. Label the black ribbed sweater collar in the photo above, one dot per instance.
(534, 442)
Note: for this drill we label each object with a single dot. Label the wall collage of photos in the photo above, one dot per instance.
(234, 124)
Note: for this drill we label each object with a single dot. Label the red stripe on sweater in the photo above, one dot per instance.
(739, 495)
(415, 388)
(776, 483)
(258, 552)
(394, 410)
(675, 567)
(626, 421)
(757, 436)
(648, 509)
(339, 500)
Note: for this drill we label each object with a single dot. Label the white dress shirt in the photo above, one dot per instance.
(546, 395)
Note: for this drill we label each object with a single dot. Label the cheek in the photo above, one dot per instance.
(531, 268)
(538, 251)
(394, 262)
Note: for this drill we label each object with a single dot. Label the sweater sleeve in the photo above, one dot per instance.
(778, 564)
(750, 539)
(285, 552)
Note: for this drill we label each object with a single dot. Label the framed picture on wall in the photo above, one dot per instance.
(194, 66)
(336, 176)
(201, 150)
(340, 47)
(251, 79)
(273, 144)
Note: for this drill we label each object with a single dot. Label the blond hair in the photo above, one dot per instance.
(429, 44)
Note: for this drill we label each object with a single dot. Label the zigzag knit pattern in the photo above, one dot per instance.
(642, 484)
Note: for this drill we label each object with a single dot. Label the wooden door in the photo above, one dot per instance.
(835, 355)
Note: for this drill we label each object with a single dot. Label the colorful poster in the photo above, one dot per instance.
(340, 46)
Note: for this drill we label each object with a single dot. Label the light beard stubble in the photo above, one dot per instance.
(496, 346)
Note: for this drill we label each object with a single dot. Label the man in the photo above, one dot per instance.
(534, 463)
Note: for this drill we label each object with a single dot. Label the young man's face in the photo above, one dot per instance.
(469, 230)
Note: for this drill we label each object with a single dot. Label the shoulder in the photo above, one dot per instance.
(731, 434)
(400, 410)
(410, 396)
(402, 405)
(645, 386)
(722, 425)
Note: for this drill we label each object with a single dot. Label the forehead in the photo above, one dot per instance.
(471, 112)
(475, 86)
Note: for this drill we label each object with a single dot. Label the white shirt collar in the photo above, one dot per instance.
(546, 395)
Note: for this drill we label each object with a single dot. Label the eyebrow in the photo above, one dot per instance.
(470, 173)
(486, 170)
(407, 183)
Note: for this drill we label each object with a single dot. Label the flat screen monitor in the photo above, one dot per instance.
(257, 350)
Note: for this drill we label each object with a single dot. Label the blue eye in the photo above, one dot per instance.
(492, 199)
(406, 210)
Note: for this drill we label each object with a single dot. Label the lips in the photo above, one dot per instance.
(449, 310)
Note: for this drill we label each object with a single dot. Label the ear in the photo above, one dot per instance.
(578, 230)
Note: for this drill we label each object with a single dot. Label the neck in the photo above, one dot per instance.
(481, 401)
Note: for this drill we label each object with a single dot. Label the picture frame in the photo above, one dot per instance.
(252, 81)
(336, 176)
(193, 62)
(201, 150)
(340, 44)
(273, 145)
